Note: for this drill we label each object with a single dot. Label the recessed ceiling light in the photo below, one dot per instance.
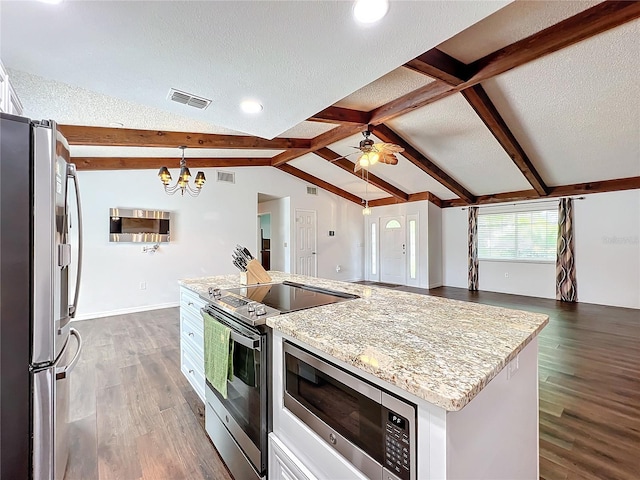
(251, 106)
(370, 11)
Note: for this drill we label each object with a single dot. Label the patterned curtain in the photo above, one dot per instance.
(473, 248)
(566, 286)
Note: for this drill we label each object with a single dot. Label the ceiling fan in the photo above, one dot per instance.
(372, 153)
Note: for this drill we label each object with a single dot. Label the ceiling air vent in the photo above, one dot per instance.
(227, 177)
(312, 190)
(188, 99)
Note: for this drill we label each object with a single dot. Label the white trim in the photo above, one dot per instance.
(124, 311)
(435, 285)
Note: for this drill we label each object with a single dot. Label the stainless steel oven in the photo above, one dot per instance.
(239, 424)
(371, 428)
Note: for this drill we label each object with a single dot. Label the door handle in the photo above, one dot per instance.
(313, 253)
(71, 173)
(62, 373)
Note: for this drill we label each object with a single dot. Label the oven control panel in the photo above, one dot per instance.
(397, 447)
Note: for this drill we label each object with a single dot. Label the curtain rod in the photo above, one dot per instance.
(528, 203)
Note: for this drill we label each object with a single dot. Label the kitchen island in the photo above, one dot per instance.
(470, 370)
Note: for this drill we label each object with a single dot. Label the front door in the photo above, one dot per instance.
(306, 258)
(393, 258)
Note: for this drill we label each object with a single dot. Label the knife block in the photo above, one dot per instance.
(255, 274)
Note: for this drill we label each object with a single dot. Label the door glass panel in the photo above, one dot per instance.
(353, 415)
(412, 248)
(392, 224)
(374, 250)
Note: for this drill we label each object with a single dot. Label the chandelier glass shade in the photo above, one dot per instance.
(182, 184)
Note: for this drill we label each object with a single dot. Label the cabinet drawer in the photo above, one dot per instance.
(191, 301)
(192, 333)
(193, 370)
(283, 465)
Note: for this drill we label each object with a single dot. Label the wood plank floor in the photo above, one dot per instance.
(136, 417)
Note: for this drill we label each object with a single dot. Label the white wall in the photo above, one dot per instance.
(607, 232)
(204, 232)
(435, 245)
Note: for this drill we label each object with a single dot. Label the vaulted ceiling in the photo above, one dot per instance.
(537, 99)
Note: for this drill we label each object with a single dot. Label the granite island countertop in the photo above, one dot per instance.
(443, 351)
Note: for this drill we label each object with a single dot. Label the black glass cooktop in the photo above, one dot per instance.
(290, 297)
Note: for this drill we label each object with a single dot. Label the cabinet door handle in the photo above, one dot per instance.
(190, 334)
(190, 303)
(191, 371)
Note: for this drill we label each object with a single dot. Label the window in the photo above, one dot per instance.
(529, 236)
(392, 224)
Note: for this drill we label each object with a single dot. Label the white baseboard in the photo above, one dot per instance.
(124, 311)
(435, 285)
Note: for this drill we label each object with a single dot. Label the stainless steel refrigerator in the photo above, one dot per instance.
(37, 351)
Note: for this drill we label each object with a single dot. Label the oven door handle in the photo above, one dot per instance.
(245, 341)
(252, 343)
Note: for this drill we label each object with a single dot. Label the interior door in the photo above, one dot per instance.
(306, 255)
(393, 250)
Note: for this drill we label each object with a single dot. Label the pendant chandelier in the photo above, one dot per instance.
(182, 184)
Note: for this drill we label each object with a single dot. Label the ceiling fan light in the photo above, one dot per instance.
(373, 158)
(370, 11)
(364, 160)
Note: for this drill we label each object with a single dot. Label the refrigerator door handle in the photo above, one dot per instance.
(63, 372)
(72, 173)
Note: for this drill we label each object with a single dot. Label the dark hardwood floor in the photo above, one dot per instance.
(135, 416)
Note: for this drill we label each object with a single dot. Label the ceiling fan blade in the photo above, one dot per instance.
(388, 158)
(343, 156)
(388, 148)
(357, 167)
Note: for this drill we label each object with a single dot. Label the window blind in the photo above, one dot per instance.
(529, 235)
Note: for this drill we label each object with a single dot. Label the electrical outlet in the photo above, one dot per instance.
(143, 285)
(506, 274)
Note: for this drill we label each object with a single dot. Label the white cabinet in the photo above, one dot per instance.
(283, 465)
(9, 101)
(192, 339)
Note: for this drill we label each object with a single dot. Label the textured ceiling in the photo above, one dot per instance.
(577, 112)
(451, 135)
(389, 87)
(297, 58)
(510, 24)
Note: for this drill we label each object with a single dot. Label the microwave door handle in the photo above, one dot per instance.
(72, 173)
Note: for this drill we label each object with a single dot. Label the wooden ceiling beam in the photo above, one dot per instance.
(327, 138)
(630, 183)
(441, 66)
(486, 110)
(430, 93)
(600, 18)
(126, 137)
(413, 197)
(341, 115)
(597, 19)
(385, 134)
(141, 163)
(291, 170)
(349, 167)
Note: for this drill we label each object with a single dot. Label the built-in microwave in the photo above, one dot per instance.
(374, 430)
